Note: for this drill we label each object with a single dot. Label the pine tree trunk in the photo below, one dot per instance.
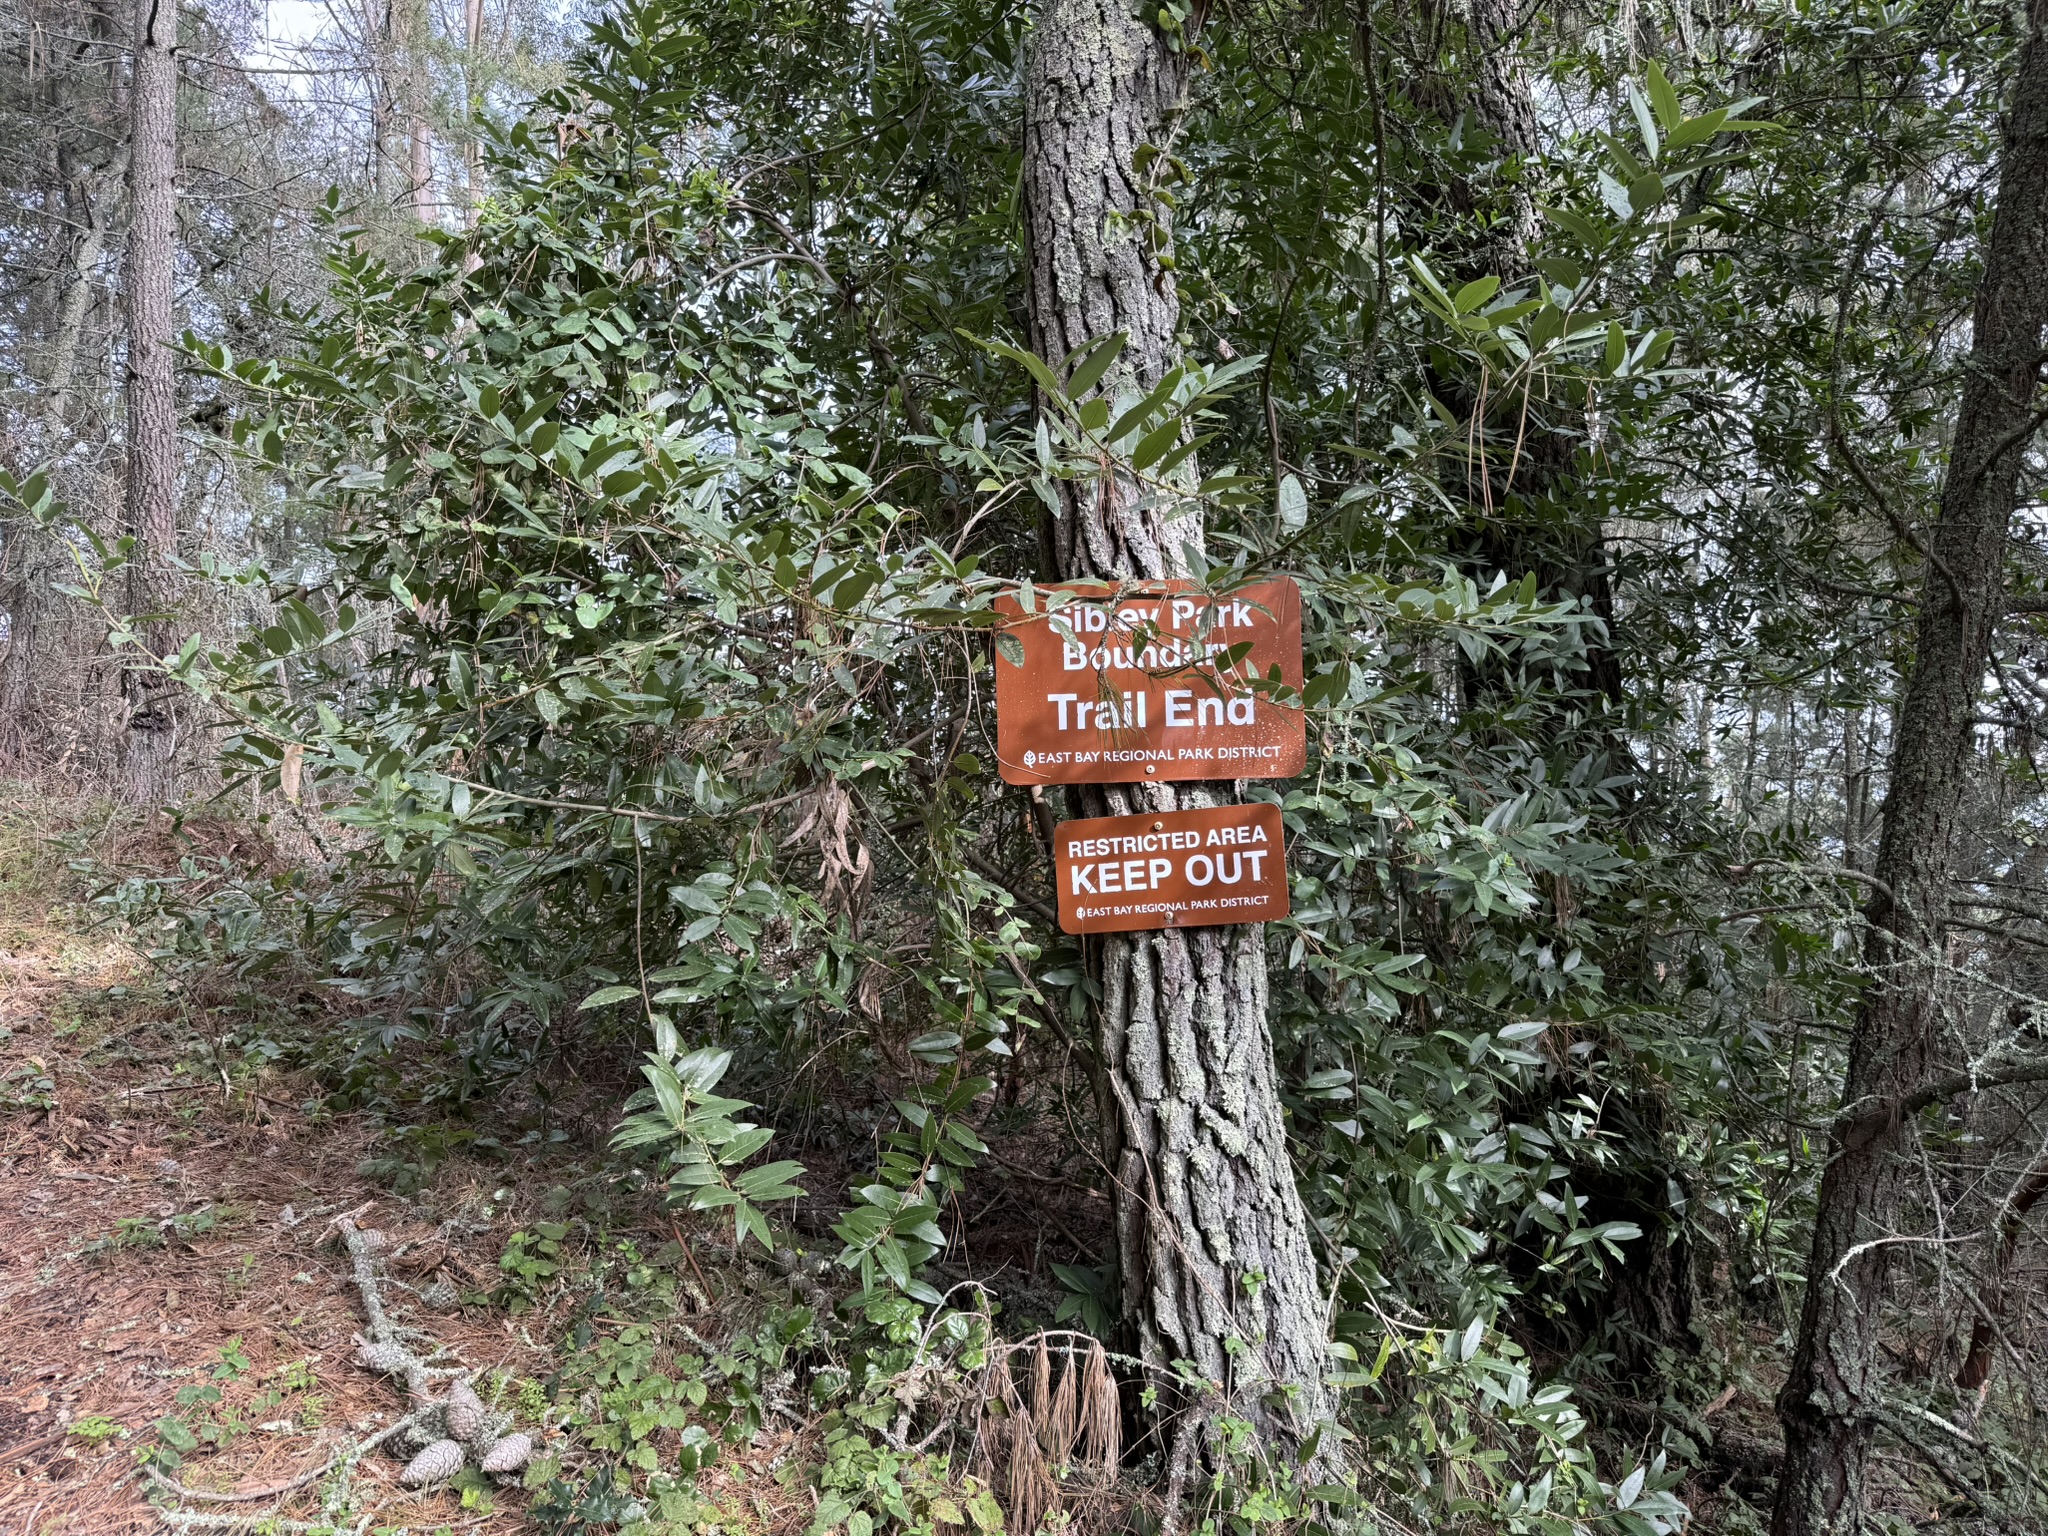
(1213, 1256)
(1834, 1391)
(152, 501)
(472, 150)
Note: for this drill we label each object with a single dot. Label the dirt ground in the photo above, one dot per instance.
(161, 1231)
(167, 1246)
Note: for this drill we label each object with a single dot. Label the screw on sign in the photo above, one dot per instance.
(1148, 683)
(1171, 869)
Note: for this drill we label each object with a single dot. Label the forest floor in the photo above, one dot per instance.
(168, 1252)
(165, 1252)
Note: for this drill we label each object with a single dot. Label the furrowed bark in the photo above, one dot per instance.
(1213, 1255)
(152, 500)
(1834, 1391)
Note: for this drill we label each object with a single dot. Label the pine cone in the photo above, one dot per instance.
(436, 1464)
(509, 1454)
(373, 1356)
(464, 1413)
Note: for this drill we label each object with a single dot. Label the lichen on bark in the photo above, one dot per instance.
(1213, 1253)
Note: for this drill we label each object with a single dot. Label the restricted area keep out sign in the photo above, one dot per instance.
(1150, 683)
(1173, 869)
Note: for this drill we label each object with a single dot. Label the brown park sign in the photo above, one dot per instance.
(1149, 682)
(1172, 869)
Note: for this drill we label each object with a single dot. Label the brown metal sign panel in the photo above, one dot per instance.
(1141, 684)
(1172, 869)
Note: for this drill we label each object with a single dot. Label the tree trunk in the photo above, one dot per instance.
(1568, 553)
(1213, 1256)
(152, 503)
(1833, 1393)
(86, 252)
(472, 150)
(1975, 1372)
(410, 33)
(421, 171)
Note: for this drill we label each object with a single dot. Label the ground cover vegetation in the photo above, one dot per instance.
(543, 709)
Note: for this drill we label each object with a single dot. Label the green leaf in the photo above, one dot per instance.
(1665, 99)
(1094, 366)
(604, 997)
(1475, 293)
(703, 1069)
(1029, 361)
(1293, 504)
(770, 1181)
(1155, 443)
(1644, 120)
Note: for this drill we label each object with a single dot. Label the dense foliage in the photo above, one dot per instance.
(633, 661)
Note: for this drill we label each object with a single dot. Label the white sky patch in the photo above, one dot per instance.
(288, 30)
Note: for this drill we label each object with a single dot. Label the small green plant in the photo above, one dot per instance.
(412, 1154)
(231, 1361)
(28, 1087)
(701, 1144)
(132, 1232)
(530, 1264)
(96, 1429)
(865, 1487)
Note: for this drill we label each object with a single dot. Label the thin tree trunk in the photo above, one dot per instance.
(152, 502)
(410, 24)
(86, 252)
(1855, 781)
(1975, 1373)
(421, 171)
(1213, 1255)
(1834, 1391)
(472, 151)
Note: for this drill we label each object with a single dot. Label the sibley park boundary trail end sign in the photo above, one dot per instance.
(1150, 683)
(1172, 869)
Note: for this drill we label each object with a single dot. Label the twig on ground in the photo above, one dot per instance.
(290, 1485)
